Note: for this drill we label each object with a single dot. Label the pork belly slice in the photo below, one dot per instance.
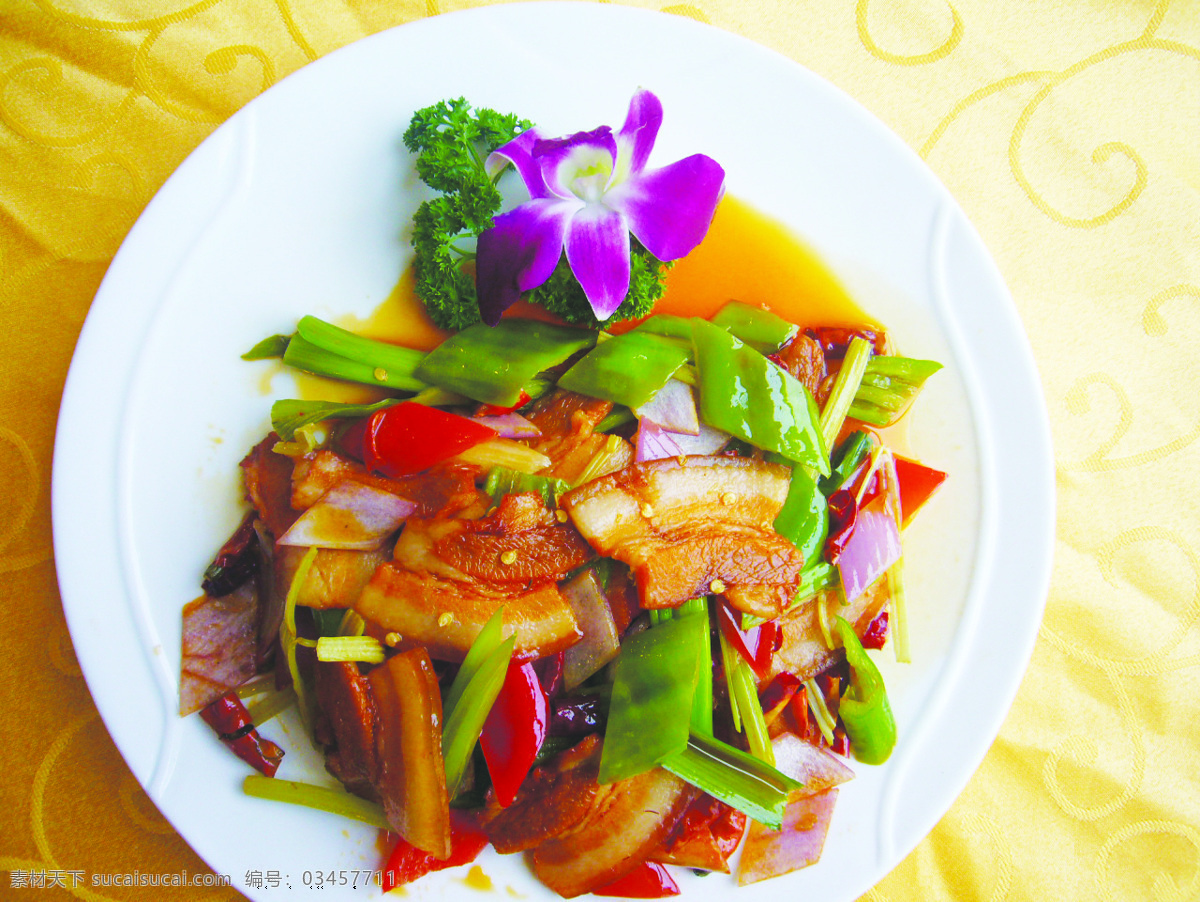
(446, 615)
(335, 579)
(568, 424)
(692, 526)
(625, 823)
(802, 650)
(347, 725)
(554, 798)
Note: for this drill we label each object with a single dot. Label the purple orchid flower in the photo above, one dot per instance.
(588, 192)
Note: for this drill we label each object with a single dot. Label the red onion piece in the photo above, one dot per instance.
(600, 642)
(350, 515)
(673, 408)
(510, 425)
(654, 443)
(873, 547)
(769, 853)
(816, 767)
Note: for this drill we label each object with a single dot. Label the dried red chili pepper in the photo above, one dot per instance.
(756, 645)
(843, 512)
(231, 722)
(235, 563)
(876, 633)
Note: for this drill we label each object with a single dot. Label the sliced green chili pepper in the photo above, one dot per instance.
(745, 394)
(669, 326)
(494, 364)
(627, 369)
(864, 707)
(761, 329)
(654, 681)
(848, 456)
(804, 518)
(888, 387)
(312, 358)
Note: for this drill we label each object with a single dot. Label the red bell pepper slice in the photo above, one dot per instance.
(917, 483)
(231, 722)
(514, 730)
(496, 410)
(407, 863)
(876, 634)
(649, 880)
(411, 437)
(756, 645)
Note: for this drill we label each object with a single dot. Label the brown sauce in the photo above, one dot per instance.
(746, 256)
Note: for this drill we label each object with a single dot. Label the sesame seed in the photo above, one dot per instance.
(561, 516)
(647, 510)
(729, 498)
(380, 374)
(392, 639)
(508, 557)
(717, 586)
(446, 619)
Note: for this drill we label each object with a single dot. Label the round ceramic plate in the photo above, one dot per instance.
(302, 203)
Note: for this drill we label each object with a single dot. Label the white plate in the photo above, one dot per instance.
(301, 203)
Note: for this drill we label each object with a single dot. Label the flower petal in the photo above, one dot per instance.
(518, 253)
(669, 210)
(519, 152)
(580, 165)
(597, 246)
(636, 138)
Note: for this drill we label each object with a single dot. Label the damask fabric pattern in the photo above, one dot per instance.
(1069, 131)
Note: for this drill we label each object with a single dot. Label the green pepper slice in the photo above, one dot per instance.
(627, 369)
(654, 681)
(745, 394)
(494, 364)
(864, 708)
(759, 328)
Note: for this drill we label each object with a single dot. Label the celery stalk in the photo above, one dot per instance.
(471, 708)
(746, 698)
(820, 711)
(729, 663)
(486, 642)
(350, 648)
(323, 798)
(287, 634)
(845, 386)
(740, 780)
(899, 606)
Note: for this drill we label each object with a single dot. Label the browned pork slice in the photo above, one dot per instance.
(804, 358)
(692, 526)
(568, 422)
(411, 776)
(220, 640)
(347, 725)
(336, 577)
(554, 798)
(446, 615)
(626, 821)
(267, 478)
(803, 651)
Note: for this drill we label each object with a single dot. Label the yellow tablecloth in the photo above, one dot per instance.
(1070, 133)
